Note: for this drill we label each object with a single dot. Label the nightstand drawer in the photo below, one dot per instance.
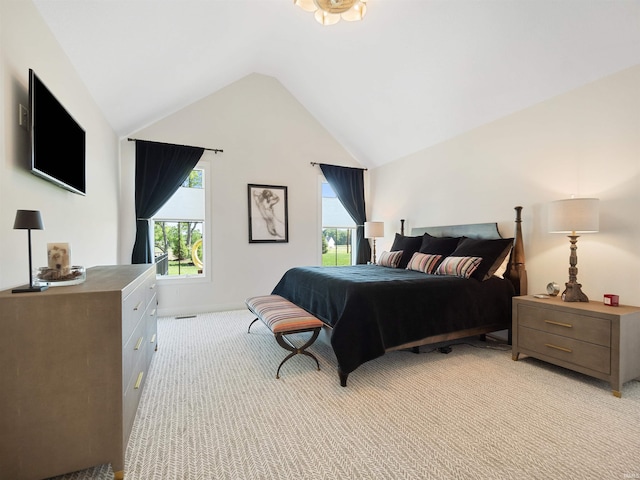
(571, 325)
(594, 357)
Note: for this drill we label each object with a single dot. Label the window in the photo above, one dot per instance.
(179, 230)
(338, 230)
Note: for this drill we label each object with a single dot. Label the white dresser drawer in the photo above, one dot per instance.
(132, 394)
(152, 328)
(136, 347)
(132, 309)
(150, 287)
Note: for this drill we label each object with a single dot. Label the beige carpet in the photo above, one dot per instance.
(212, 409)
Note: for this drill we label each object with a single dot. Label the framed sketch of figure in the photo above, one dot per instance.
(268, 214)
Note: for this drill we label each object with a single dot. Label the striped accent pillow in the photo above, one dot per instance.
(458, 266)
(390, 259)
(424, 262)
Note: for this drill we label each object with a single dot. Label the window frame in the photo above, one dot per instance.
(322, 180)
(203, 164)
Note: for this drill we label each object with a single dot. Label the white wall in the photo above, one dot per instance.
(585, 142)
(88, 223)
(267, 138)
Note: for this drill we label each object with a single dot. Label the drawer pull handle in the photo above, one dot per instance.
(153, 313)
(153, 339)
(138, 381)
(137, 347)
(137, 307)
(560, 324)
(568, 350)
(152, 286)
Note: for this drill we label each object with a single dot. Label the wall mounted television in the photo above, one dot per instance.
(57, 141)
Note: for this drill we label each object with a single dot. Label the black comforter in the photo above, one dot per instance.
(373, 308)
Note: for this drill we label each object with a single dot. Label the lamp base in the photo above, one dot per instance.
(39, 288)
(573, 293)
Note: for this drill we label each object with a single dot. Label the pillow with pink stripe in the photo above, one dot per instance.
(458, 266)
(424, 262)
(390, 259)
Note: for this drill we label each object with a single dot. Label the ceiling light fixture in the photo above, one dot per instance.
(329, 12)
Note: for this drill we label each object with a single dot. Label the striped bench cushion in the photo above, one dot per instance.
(280, 315)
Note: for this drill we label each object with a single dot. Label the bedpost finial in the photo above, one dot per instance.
(518, 214)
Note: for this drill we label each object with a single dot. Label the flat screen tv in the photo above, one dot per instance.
(57, 146)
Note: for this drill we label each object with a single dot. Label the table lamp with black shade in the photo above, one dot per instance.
(29, 220)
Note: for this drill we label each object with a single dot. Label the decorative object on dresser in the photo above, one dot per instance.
(76, 274)
(59, 271)
(611, 300)
(589, 338)
(572, 216)
(553, 289)
(72, 369)
(29, 220)
(374, 230)
(59, 257)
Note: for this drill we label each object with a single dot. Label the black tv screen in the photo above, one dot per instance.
(57, 140)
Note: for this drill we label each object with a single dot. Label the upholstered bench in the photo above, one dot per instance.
(284, 318)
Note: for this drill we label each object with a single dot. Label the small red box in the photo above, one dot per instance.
(611, 299)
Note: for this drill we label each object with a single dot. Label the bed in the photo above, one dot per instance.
(369, 310)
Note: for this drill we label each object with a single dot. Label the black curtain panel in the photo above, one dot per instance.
(348, 183)
(160, 170)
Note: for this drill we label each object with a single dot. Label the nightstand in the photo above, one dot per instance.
(590, 337)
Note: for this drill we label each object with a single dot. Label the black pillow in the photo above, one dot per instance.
(493, 253)
(408, 245)
(439, 245)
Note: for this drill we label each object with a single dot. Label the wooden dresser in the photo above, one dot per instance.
(590, 338)
(73, 362)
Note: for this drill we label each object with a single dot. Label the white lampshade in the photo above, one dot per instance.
(574, 215)
(373, 229)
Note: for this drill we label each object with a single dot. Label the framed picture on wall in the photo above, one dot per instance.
(268, 214)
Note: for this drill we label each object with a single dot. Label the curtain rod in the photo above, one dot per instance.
(214, 150)
(316, 163)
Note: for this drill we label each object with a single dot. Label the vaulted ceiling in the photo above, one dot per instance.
(412, 74)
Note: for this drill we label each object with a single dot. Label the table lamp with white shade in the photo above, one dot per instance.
(574, 216)
(374, 230)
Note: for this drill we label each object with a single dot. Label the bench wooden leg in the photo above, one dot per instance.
(287, 345)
